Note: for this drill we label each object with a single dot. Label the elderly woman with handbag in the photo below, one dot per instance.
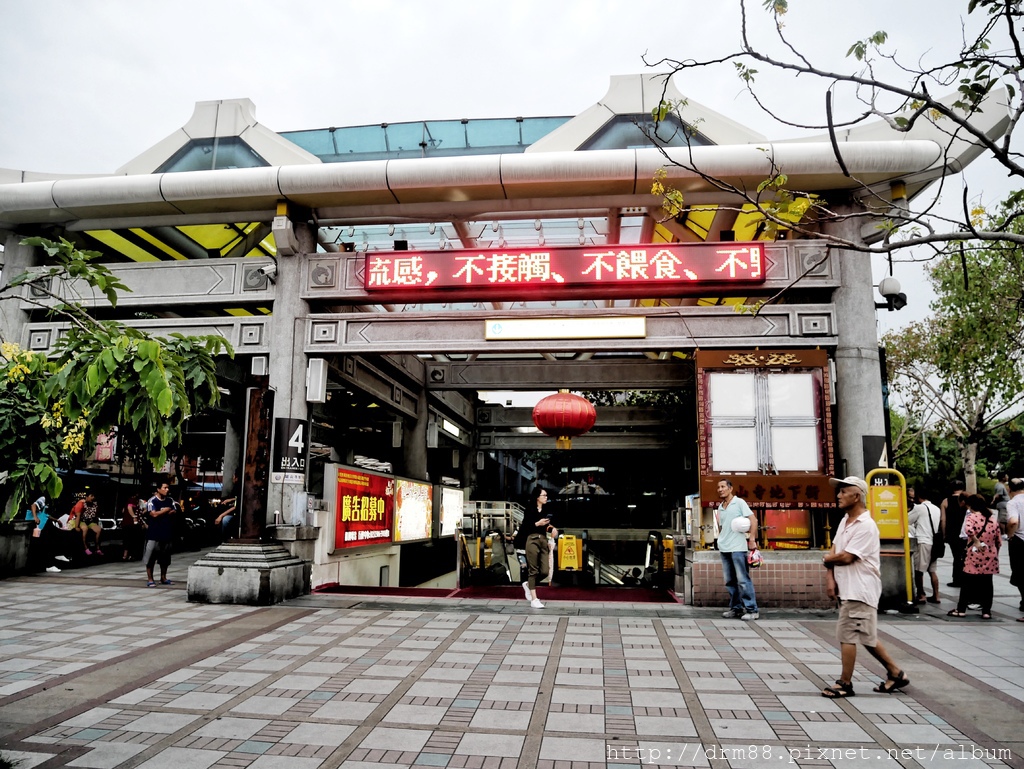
(981, 530)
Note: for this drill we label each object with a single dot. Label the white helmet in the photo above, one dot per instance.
(741, 524)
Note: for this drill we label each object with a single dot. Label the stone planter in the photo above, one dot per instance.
(15, 538)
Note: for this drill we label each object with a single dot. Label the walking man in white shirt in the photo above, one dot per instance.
(855, 578)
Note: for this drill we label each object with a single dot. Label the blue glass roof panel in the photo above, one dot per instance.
(427, 138)
(210, 154)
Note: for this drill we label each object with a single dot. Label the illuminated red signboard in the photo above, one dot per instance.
(365, 509)
(654, 267)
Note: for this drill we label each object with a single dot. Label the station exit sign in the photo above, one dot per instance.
(649, 270)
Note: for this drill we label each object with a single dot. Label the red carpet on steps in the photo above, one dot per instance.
(513, 593)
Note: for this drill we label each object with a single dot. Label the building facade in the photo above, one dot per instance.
(377, 279)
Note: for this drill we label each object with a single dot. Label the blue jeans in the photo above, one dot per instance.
(738, 583)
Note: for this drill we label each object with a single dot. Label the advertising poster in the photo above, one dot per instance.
(414, 510)
(788, 529)
(451, 510)
(365, 509)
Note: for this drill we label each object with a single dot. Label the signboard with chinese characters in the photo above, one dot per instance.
(773, 442)
(291, 447)
(888, 506)
(772, 491)
(106, 447)
(651, 269)
(414, 510)
(365, 508)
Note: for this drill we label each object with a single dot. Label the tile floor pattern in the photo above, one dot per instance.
(452, 688)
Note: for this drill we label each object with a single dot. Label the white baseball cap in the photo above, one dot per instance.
(850, 480)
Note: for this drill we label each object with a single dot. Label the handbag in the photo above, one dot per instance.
(754, 559)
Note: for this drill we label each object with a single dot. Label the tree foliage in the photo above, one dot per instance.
(101, 374)
(985, 74)
(963, 368)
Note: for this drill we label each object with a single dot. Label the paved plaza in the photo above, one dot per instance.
(97, 670)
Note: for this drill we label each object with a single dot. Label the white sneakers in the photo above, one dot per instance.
(53, 570)
(747, 615)
(536, 604)
(62, 558)
(526, 590)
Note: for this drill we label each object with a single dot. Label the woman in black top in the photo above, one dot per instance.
(532, 538)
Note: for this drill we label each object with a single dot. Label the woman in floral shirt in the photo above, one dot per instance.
(983, 542)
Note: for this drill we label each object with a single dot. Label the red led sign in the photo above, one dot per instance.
(656, 267)
(364, 509)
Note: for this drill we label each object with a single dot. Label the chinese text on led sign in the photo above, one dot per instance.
(364, 508)
(670, 264)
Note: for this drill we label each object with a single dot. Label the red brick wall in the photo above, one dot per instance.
(791, 580)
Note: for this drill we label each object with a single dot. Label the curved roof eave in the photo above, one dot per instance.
(440, 182)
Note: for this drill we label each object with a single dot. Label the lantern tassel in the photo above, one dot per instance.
(563, 442)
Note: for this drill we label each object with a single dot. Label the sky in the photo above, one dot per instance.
(88, 86)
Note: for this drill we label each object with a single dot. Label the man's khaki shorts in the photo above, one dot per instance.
(858, 624)
(923, 558)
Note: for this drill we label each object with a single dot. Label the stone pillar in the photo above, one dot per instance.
(287, 366)
(232, 456)
(252, 570)
(414, 439)
(858, 379)
(468, 469)
(16, 259)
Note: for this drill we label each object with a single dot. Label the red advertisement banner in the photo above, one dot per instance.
(365, 509)
(787, 528)
(668, 265)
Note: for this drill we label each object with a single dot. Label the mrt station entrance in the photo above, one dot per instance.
(618, 495)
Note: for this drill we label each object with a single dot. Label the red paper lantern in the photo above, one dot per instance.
(564, 415)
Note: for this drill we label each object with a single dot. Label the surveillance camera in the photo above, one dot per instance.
(268, 270)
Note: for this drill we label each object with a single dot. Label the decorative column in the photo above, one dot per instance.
(16, 259)
(257, 570)
(414, 438)
(287, 366)
(861, 417)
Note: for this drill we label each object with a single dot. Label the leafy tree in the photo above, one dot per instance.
(963, 369)
(985, 74)
(905, 434)
(1003, 449)
(101, 374)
